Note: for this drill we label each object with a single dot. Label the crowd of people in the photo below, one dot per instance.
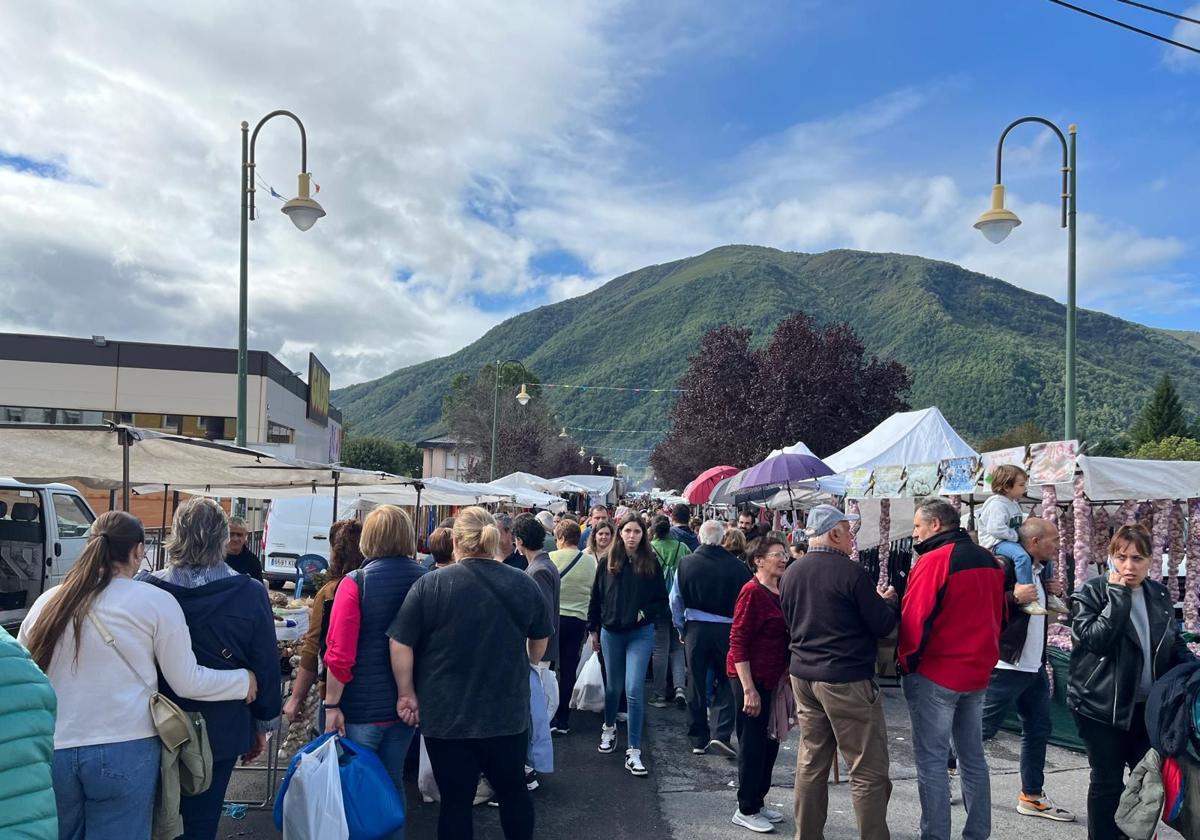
(754, 631)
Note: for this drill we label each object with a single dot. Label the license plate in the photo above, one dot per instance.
(284, 562)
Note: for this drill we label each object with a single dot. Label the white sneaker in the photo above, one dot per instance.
(608, 738)
(770, 814)
(754, 822)
(1054, 604)
(1032, 608)
(483, 791)
(633, 762)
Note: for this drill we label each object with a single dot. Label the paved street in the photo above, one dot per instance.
(689, 796)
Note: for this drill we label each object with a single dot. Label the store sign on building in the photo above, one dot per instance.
(318, 391)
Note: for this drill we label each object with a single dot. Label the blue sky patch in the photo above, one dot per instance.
(41, 168)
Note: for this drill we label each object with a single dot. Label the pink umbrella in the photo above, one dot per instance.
(701, 487)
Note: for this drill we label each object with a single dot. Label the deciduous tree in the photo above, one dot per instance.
(810, 383)
(378, 453)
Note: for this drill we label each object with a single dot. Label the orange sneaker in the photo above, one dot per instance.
(1042, 806)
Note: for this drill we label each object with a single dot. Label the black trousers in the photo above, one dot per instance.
(1110, 751)
(571, 633)
(756, 750)
(457, 763)
(706, 645)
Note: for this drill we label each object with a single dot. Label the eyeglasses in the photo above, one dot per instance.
(777, 555)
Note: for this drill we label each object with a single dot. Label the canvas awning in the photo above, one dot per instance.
(94, 457)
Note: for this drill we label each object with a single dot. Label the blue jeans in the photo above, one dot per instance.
(1022, 562)
(937, 714)
(106, 791)
(389, 741)
(627, 656)
(202, 813)
(1031, 692)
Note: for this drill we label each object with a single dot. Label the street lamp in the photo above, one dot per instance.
(998, 222)
(522, 398)
(302, 210)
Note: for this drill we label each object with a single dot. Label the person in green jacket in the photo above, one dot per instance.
(27, 806)
(667, 656)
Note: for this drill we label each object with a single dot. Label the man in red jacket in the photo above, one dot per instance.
(949, 642)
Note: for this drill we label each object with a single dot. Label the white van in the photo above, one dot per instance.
(293, 528)
(43, 531)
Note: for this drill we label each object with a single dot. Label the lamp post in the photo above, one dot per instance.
(302, 210)
(522, 398)
(998, 222)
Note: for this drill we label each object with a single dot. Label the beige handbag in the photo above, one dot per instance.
(179, 731)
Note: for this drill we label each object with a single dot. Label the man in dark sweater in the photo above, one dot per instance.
(680, 529)
(836, 615)
(702, 600)
(237, 556)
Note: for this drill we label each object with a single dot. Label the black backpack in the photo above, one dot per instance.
(1169, 712)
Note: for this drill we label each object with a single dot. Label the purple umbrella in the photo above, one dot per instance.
(784, 469)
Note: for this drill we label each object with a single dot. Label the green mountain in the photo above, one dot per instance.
(1186, 336)
(989, 354)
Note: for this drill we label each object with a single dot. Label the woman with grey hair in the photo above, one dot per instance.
(232, 627)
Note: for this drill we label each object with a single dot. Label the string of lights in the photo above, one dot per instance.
(613, 388)
(619, 431)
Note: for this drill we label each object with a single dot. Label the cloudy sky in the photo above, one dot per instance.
(480, 158)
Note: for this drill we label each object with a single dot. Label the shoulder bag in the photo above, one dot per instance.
(179, 731)
(570, 566)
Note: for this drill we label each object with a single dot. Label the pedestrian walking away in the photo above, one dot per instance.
(345, 556)
(836, 615)
(107, 755)
(702, 601)
(757, 662)
(949, 643)
(360, 692)
(667, 660)
(628, 596)
(1124, 637)
(577, 570)
(28, 810)
(476, 623)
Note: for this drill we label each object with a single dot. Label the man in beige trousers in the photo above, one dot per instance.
(836, 615)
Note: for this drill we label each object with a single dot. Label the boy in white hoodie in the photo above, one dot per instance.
(997, 524)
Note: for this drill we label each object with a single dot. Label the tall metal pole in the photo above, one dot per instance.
(1070, 384)
(495, 414)
(243, 284)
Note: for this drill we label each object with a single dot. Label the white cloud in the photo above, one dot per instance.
(1184, 32)
(454, 142)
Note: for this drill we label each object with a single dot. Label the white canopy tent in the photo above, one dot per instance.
(520, 496)
(529, 481)
(604, 486)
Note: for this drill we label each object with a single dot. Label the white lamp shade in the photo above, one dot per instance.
(997, 230)
(303, 212)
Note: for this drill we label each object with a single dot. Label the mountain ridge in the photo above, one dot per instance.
(988, 353)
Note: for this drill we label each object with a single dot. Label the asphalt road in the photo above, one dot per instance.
(688, 797)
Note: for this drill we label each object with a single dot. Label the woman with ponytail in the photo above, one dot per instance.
(106, 750)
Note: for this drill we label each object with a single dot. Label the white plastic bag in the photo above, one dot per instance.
(549, 681)
(588, 695)
(426, 784)
(312, 807)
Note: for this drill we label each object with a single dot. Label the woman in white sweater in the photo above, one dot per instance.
(106, 750)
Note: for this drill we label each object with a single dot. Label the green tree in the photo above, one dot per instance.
(526, 435)
(1162, 417)
(1022, 434)
(1174, 448)
(378, 453)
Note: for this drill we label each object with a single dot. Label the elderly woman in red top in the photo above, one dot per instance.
(758, 658)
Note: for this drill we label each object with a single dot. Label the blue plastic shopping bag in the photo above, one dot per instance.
(373, 806)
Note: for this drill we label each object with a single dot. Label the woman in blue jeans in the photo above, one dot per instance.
(628, 595)
(360, 691)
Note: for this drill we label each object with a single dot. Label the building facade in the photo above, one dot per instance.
(167, 387)
(442, 458)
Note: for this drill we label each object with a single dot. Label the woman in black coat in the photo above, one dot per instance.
(1124, 637)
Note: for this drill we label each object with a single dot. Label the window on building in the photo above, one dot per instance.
(66, 416)
(279, 433)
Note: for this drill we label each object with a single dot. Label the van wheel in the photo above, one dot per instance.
(275, 584)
